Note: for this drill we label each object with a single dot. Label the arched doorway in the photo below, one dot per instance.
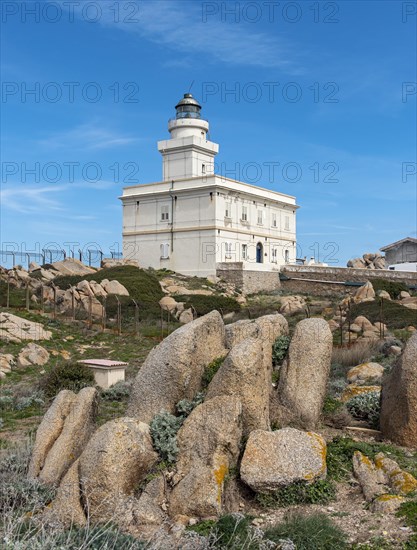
(259, 253)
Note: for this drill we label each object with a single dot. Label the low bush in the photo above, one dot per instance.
(314, 532)
(186, 406)
(67, 376)
(408, 511)
(360, 352)
(280, 349)
(366, 406)
(392, 287)
(395, 315)
(210, 370)
(300, 492)
(205, 304)
(230, 532)
(164, 428)
(18, 493)
(117, 392)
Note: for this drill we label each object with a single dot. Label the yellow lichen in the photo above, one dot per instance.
(403, 483)
(219, 475)
(364, 459)
(386, 497)
(320, 446)
(353, 390)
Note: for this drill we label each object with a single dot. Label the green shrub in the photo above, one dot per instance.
(300, 492)
(164, 428)
(393, 288)
(205, 304)
(230, 532)
(315, 532)
(331, 405)
(408, 511)
(117, 392)
(67, 376)
(210, 370)
(186, 406)
(395, 315)
(366, 406)
(18, 493)
(280, 349)
(17, 296)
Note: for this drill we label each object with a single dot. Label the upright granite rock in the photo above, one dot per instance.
(276, 459)
(117, 458)
(76, 431)
(66, 509)
(245, 376)
(50, 429)
(267, 327)
(303, 380)
(365, 293)
(208, 447)
(398, 417)
(173, 370)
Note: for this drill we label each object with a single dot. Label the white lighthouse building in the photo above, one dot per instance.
(196, 222)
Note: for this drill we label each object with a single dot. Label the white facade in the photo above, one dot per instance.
(194, 219)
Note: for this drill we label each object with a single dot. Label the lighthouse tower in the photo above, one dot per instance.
(188, 153)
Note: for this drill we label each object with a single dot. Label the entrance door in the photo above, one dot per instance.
(259, 253)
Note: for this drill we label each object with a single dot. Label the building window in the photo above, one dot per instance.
(228, 249)
(164, 251)
(164, 213)
(203, 168)
(287, 256)
(228, 210)
(244, 213)
(274, 255)
(287, 223)
(260, 217)
(274, 220)
(244, 251)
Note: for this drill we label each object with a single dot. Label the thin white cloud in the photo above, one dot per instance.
(181, 27)
(30, 200)
(86, 137)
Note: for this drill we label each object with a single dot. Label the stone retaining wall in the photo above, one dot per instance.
(250, 281)
(328, 281)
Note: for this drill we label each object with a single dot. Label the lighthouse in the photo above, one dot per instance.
(199, 223)
(188, 153)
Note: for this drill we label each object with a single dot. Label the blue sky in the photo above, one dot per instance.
(323, 91)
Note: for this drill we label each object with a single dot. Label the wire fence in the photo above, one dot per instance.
(111, 313)
(91, 257)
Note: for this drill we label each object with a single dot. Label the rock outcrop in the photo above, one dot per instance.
(245, 375)
(7, 361)
(398, 417)
(365, 373)
(276, 459)
(16, 329)
(32, 355)
(208, 445)
(117, 457)
(76, 431)
(50, 429)
(365, 293)
(173, 370)
(304, 376)
(368, 261)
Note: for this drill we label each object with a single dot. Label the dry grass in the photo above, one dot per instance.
(360, 352)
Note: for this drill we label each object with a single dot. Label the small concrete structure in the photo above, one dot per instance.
(106, 372)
